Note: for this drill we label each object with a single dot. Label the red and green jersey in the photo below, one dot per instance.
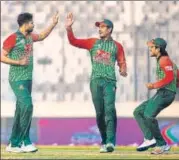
(104, 54)
(167, 74)
(19, 46)
(178, 79)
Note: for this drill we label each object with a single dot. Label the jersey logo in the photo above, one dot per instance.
(22, 41)
(102, 57)
(168, 68)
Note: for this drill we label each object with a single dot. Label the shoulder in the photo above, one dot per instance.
(119, 45)
(93, 39)
(165, 60)
(12, 36)
(34, 35)
(166, 63)
(10, 40)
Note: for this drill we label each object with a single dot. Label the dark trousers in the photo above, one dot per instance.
(103, 95)
(145, 114)
(23, 113)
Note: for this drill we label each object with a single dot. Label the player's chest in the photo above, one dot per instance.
(24, 45)
(159, 72)
(106, 49)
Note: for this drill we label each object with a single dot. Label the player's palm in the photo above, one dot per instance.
(55, 18)
(69, 20)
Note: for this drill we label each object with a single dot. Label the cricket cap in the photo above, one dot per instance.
(159, 42)
(106, 22)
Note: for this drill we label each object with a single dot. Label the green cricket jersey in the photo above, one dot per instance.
(19, 46)
(104, 54)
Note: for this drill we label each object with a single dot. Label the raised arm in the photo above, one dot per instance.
(8, 45)
(81, 43)
(44, 34)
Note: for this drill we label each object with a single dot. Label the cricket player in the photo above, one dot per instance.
(104, 52)
(17, 51)
(168, 81)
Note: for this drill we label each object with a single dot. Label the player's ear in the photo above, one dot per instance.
(158, 49)
(25, 25)
(110, 30)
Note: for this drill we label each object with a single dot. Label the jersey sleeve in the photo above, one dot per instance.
(177, 78)
(80, 43)
(35, 37)
(121, 60)
(167, 66)
(10, 42)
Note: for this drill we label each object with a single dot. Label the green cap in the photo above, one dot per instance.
(160, 42)
(107, 22)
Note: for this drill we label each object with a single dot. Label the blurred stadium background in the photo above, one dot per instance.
(63, 111)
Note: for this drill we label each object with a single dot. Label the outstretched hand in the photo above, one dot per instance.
(55, 18)
(69, 20)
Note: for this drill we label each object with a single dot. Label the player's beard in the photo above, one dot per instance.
(152, 55)
(29, 30)
(102, 36)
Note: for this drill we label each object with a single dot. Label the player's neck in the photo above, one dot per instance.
(108, 37)
(22, 30)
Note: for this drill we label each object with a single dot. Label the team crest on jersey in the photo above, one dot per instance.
(21, 87)
(21, 42)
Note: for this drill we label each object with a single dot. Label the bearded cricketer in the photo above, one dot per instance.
(17, 51)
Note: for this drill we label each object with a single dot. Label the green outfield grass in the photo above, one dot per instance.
(87, 152)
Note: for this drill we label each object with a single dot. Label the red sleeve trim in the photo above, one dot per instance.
(35, 37)
(81, 43)
(167, 66)
(121, 60)
(177, 78)
(10, 42)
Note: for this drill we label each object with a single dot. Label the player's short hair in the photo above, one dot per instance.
(24, 18)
